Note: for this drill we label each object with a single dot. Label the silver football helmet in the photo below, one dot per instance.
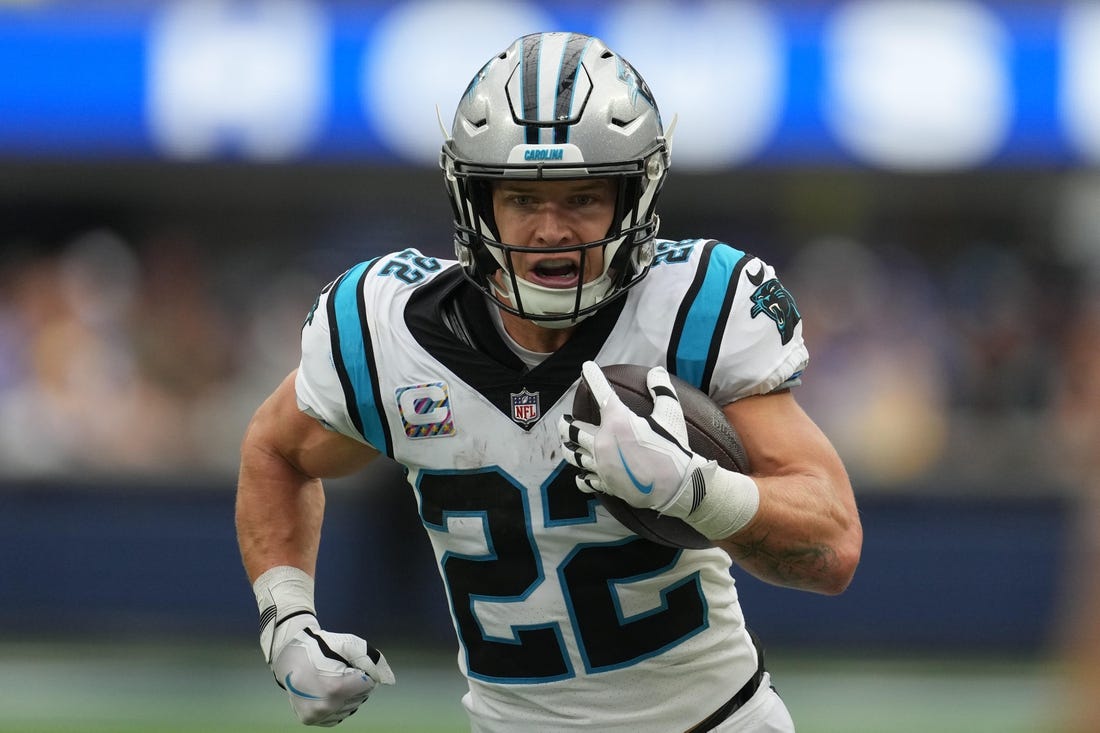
(564, 106)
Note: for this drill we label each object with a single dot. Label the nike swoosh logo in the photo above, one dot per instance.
(758, 277)
(295, 691)
(644, 488)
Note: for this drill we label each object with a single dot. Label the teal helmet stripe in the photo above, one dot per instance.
(529, 74)
(555, 107)
(353, 356)
(572, 54)
(700, 322)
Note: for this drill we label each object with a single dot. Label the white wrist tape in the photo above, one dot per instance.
(281, 592)
(730, 501)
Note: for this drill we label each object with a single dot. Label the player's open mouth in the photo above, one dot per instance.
(555, 273)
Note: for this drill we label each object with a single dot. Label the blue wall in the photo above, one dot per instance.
(937, 573)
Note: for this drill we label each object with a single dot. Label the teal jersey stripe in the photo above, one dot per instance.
(705, 317)
(353, 356)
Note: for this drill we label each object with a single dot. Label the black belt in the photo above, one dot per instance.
(739, 698)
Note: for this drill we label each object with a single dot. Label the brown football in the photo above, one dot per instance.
(709, 434)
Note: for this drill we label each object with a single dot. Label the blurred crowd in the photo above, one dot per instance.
(934, 373)
(139, 359)
(145, 356)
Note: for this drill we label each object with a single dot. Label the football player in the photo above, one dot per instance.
(464, 372)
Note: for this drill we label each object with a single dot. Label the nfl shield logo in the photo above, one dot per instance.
(525, 407)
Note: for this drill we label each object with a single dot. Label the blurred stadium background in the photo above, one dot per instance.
(178, 179)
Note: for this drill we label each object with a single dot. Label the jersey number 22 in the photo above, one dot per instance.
(511, 570)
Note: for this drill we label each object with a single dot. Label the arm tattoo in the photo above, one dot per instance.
(794, 566)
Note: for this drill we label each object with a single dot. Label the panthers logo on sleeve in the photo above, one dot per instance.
(777, 303)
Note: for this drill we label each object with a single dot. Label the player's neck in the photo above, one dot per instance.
(534, 337)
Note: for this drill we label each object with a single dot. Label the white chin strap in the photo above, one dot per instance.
(544, 302)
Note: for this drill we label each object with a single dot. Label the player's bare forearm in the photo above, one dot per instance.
(279, 513)
(279, 508)
(792, 542)
(806, 533)
(794, 567)
(280, 499)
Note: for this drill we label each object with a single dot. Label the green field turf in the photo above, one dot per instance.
(50, 687)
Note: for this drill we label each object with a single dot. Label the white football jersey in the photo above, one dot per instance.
(565, 619)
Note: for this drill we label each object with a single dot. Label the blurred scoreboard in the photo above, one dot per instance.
(908, 85)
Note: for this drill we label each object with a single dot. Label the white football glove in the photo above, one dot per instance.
(327, 676)
(646, 460)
